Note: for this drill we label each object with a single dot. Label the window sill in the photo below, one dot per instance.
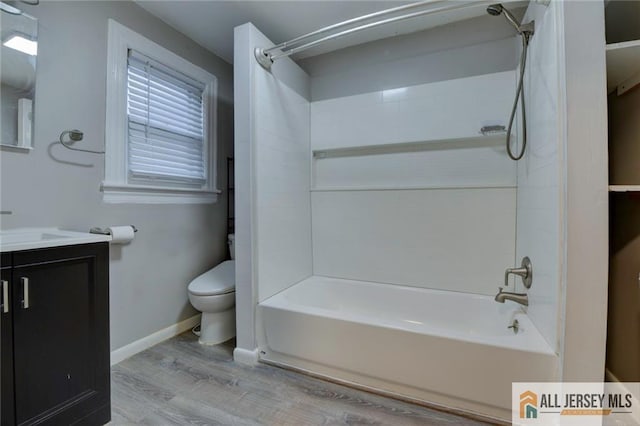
(140, 194)
(16, 148)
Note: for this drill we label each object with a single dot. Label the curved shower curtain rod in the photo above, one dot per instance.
(267, 56)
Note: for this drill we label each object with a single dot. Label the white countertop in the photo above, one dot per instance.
(34, 238)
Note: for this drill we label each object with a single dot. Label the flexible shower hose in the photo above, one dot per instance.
(520, 95)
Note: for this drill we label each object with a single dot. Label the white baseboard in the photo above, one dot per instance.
(245, 356)
(140, 345)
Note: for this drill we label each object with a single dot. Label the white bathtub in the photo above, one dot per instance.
(446, 348)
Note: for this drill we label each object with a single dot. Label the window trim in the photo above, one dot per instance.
(116, 186)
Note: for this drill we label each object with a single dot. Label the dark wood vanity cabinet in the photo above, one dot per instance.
(55, 336)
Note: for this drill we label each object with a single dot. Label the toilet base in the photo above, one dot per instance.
(217, 327)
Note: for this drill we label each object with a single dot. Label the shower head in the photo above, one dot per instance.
(495, 9)
(498, 9)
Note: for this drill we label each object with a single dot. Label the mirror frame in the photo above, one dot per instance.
(25, 125)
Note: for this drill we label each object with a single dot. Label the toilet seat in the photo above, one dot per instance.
(216, 281)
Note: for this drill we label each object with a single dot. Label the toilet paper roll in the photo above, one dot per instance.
(121, 234)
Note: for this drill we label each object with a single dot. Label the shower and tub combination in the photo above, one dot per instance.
(385, 238)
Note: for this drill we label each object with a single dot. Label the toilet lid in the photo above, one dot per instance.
(219, 280)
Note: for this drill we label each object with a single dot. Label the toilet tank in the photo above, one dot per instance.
(231, 240)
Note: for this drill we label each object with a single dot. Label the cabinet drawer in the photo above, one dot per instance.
(49, 255)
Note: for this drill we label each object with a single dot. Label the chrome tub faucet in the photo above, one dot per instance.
(521, 298)
(525, 271)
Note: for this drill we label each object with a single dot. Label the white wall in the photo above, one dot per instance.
(282, 182)
(423, 199)
(449, 109)
(246, 295)
(450, 239)
(50, 187)
(435, 119)
(583, 108)
(539, 174)
(272, 179)
(562, 184)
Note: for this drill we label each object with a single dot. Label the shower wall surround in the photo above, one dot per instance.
(283, 209)
(539, 174)
(436, 213)
(447, 239)
(273, 206)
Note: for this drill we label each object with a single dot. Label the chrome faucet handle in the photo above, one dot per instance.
(522, 272)
(525, 271)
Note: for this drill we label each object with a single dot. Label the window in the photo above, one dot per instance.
(160, 145)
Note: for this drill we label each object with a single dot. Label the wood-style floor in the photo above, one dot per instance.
(180, 382)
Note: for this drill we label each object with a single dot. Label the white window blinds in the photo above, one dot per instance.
(166, 127)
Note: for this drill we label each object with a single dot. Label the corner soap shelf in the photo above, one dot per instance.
(479, 141)
(623, 66)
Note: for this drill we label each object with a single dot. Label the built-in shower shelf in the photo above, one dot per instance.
(407, 187)
(624, 188)
(479, 141)
(623, 66)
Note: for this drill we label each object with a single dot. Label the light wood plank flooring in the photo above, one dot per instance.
(180, 382)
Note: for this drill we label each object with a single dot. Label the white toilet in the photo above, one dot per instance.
(213, 293)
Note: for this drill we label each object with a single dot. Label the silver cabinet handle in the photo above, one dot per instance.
(5, 296)
(25, 292)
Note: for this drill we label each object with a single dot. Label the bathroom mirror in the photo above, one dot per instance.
(19, 37)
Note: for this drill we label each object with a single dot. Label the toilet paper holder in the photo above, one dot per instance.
(105, 231)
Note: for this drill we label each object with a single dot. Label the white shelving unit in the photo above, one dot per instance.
(623, 74)
(623, 66)
(624, 188)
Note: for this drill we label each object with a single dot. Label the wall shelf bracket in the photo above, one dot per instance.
(628, 84)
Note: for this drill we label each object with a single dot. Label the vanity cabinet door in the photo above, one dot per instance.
(61, 335)
(6, 343)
